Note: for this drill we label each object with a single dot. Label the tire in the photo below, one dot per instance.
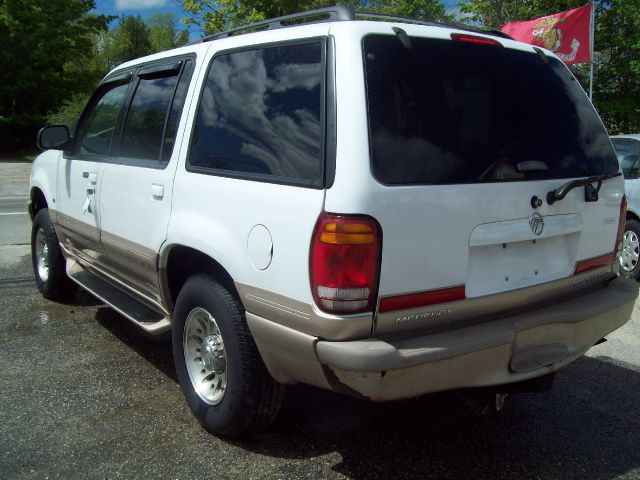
(47, 260)
(236, 396)
(629, 259)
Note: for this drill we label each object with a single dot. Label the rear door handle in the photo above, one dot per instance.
(157, 191)
(92, 176)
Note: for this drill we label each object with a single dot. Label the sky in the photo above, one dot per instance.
(144, 8)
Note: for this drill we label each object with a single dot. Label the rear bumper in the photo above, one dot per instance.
(504, 351)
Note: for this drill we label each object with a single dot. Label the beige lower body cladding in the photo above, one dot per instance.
(508, 350)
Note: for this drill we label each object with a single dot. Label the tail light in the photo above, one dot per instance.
(475, 39)
(591, 263)
(621, 222)
(345, 263)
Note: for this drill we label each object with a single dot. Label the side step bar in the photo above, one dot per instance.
(150, 320)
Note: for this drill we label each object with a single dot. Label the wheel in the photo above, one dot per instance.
(48, 262)
(630, 250)
(217, 362)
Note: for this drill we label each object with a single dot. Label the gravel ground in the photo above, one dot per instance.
(84, 395)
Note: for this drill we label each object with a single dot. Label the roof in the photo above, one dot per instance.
(338, 13)
(634, 136)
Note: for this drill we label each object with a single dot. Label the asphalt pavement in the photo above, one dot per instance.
(83, 394)
(15, 225)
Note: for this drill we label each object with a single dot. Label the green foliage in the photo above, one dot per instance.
(70, 111)
(163, 33)
(131, 39)
(617, 73)
(40, 40)
(219, 15)
(422, 9)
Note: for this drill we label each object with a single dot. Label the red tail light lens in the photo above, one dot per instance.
(621, 222)
(591, 263)
(421, 299)
(461, 37)
(345, 263)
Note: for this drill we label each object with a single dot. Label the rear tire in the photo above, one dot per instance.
(217, 362)
(48, 262)
(630, 256)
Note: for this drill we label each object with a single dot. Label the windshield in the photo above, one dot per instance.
(454, 112)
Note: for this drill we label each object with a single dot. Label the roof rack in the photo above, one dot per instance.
(336, 13)
(451, 24)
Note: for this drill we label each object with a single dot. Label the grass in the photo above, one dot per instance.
(22, 157)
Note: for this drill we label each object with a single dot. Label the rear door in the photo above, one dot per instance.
(467, 138)
(136, 189)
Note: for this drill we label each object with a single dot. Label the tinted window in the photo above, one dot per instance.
(144, 127)
(176, 111)
(453, 112)
(260, 113)
(95, 133)
(628, 153)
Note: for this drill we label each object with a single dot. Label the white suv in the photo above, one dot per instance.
(379, 208)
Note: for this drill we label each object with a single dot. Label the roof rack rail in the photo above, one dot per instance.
(363, 15)
(336, 13)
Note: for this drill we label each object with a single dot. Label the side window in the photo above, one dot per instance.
(176, 111)
(143, 129)
(95, 132)
(260, 114)
(628, 153)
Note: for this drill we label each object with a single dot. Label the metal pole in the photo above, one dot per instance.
(591, 41)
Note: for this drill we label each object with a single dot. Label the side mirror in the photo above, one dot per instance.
(54, 137)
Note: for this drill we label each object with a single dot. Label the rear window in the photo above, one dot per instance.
(454, 112)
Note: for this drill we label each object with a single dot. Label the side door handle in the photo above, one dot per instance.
(157, 191)
(92, 176)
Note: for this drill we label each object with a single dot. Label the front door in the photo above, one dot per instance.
(77, 212)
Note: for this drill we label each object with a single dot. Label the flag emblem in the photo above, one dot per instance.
(567, 34)
(546, 32)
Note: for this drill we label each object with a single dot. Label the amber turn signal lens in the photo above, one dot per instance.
(347, 234)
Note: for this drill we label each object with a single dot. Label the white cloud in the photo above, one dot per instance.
(236, 102)
(139, 4)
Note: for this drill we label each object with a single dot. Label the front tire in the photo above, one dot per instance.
(48, 262)
(217, 362)
(629, 258)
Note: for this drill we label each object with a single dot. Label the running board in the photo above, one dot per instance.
(148, 319)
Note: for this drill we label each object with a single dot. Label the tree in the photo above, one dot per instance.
(131, 38)
(163, 33)
(39, 40)
(422, 9)
(219, 15)
(617, 73)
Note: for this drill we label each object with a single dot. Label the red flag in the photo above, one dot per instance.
(567, 34)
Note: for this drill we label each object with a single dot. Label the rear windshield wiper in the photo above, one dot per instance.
(590, 192)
